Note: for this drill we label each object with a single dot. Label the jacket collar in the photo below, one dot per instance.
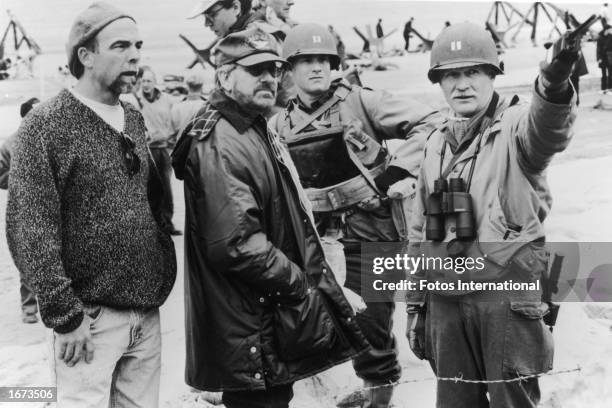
(240, 118)
(489, 130)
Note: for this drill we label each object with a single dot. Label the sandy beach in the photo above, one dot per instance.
(580, 184)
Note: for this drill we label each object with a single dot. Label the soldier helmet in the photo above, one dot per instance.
(310, 39)
(462, 45)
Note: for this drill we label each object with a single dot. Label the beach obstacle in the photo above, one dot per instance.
(202, 55)
(370, 40)
(20, 36)
(426, 43)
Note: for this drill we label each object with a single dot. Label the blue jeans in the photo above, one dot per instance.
(125, 371)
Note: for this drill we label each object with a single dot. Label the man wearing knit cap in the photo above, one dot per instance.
(262, 308)
(80, 226)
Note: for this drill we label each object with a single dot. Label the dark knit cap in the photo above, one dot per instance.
(27, 106)
(86, 26)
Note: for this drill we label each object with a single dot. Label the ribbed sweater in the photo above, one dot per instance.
(79, 228)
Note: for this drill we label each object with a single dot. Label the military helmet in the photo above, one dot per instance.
(462, 45)
(310, 39)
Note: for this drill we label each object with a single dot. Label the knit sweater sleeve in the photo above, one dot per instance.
(33, 221)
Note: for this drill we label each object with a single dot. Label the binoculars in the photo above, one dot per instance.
(449, 199)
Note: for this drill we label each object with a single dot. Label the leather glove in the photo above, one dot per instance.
(415, 330)
(560, 68)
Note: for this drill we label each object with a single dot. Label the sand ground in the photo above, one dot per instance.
(582, 189)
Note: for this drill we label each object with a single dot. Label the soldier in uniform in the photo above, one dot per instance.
(490, 154)
(334, 132)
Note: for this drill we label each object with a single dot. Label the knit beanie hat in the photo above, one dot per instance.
(86, 26)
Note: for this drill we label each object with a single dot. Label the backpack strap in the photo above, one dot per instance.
(341, 92)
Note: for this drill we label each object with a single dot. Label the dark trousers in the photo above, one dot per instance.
(28, 298)
(479, 338)
(163, 200)
(379, 364)
(275, 397)
(606, 78)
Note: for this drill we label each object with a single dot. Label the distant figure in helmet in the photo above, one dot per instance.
(491, 155)
(408, 33)
(334, 132)
(380, 35)
(340, 47)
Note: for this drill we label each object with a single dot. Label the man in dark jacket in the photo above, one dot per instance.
(263, 310)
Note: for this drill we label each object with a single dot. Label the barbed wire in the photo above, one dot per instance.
(460, 379)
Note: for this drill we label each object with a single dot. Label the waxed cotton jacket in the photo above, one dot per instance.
(262, 306)
(510, 195)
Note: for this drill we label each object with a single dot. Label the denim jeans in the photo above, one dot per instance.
(125, 371)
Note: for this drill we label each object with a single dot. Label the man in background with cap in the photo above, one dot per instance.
(262, 308)
(487, 162)
(29, 307)
(185, 110)
(229, 16)
(81, 229)
(224, 17)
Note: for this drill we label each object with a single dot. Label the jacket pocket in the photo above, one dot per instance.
(303, 329)
(528, 344)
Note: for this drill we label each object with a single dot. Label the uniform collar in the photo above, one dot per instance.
(297, 102)
(240, 118)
